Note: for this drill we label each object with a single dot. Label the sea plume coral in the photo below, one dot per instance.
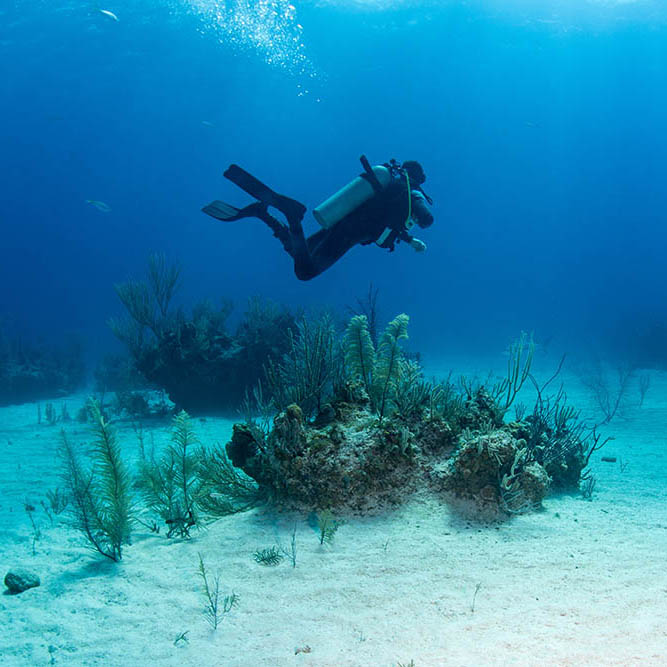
(101, 497)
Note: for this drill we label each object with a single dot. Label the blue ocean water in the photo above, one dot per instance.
(541, 127)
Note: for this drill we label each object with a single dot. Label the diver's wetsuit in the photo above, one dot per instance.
(365, 225)
(383, 219)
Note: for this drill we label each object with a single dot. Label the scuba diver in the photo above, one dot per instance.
(380, 206)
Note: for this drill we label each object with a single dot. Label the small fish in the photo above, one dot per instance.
(99, 205)
(106, 12)
(207, 123)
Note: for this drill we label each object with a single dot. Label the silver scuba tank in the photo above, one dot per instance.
(350, 197)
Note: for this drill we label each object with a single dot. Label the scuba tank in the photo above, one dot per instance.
(353, 195)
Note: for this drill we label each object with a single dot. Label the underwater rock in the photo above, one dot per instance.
(352, 393)
(289, 433)
(435, 436)
(534, 483)
(20, 580)
(492, 469)
(325, 416)
(348, 459)
(565, 471)
(354, 463)
(481, 410)
(243, 450)
(560, 453)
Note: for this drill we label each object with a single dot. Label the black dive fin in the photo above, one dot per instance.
(221, 211)
(292, 209)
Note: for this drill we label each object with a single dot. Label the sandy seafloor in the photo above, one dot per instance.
(580, 583)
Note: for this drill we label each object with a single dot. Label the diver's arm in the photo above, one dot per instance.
(418, 245)
(420, 212)
(422, 216)
(415, 243)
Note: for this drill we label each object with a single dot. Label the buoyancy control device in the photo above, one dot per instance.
(354, 194)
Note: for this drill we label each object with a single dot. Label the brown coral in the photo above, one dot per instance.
(353, 464)
(492, 469)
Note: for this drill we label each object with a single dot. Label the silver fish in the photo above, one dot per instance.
(106, 12)
(99, 205)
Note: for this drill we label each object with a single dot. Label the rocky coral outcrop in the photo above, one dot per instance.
(349, 459)
(436, 437)
(354, 462)
(559, 450)
(33, 373)
(378, 431)
(494, 470)
(481, 411)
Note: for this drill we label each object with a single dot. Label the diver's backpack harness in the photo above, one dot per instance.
(349, 198)
(370, 176)
(374, 181)
(391, 236)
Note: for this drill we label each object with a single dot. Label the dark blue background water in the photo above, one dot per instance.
(543, 135)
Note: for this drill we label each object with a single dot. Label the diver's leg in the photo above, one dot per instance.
(315, 239)
(304, 266)
(312, 256)
(280, 231)
(322, 250)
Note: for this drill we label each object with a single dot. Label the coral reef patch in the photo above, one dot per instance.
(202, 365)
(30, 372)
(352, 462)
(383, 432)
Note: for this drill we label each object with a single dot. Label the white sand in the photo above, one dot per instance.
(582, 583)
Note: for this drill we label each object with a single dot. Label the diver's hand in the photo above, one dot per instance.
(418, 245)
